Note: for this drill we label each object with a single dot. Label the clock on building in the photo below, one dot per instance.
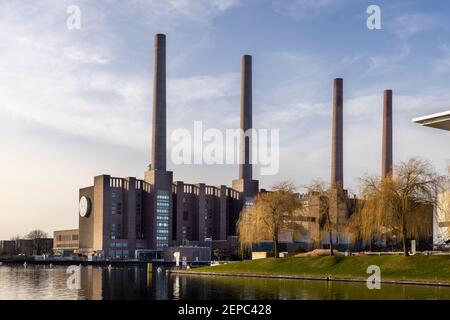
(85, 207)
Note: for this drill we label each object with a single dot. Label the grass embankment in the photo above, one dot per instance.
(414, 268)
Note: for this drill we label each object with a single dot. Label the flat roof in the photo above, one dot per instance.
(439, 120)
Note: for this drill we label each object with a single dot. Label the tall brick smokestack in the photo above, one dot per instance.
(386, 152)
(337, 153)
(159, 105)
(245, 167)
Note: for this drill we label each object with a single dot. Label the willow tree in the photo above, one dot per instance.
(329, 201)
(271, 214)
(401, 204)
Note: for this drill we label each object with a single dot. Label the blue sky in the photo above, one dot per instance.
(75, 104)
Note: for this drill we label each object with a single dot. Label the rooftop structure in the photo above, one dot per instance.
(439, 120)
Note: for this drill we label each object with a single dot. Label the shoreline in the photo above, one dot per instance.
(71, 262)
(311, 278)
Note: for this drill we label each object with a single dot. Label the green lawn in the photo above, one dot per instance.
(430, 268)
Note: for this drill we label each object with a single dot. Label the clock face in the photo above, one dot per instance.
(85, 207)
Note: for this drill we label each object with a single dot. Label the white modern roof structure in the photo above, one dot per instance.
(439, 120)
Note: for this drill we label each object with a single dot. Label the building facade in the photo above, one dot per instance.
(123, 217)
(26, 247)
(65, 242)
(441, 217)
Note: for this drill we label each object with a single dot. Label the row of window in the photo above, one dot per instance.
(162, 244)
(116, 233)
(116, 208)
(119, 254)
(119, 244)
(162, 195)
(67, 237)
(162, 203)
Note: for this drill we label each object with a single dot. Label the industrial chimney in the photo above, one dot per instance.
(245, 167)
(245, 184)
(159, 106)
(337, 153)
(386, 152)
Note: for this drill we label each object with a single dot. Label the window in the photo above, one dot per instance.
(116, 208)
(162, 218)
(140, 232)
(186, 233)
(185, 215)
(116, 231)
(248, 202)
(138, 209)
(162, 224)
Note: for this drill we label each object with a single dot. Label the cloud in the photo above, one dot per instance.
(295, 112)
(442, 64)
(305, 133)
(389, 63)
(199, 11)
(75, 86)
(82, 99)
(403, 27)
(303, 9)
(96, 83)
(407, 25)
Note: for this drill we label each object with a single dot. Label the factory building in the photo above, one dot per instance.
(65, 242)
(341, 205)
(126, 217)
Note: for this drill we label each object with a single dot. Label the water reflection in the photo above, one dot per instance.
(133, 282)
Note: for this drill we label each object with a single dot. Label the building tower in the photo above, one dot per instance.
(245, 184)
(158, 161)
(160, 235)
(386, 145)
(337, 153)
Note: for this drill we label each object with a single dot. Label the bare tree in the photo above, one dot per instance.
(38, 237)
(36, 234)
(400, 205)
(272, 213)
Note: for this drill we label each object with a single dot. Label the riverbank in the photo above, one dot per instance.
(429, 270)
(71, 262)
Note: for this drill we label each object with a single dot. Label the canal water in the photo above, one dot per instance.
(133, 282)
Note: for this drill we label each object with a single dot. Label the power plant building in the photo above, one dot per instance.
(124, 217)
(127, 217)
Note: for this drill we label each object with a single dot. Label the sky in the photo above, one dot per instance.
(77, 103)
